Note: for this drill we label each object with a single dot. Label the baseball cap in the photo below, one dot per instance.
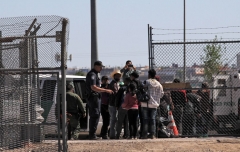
(99, 63)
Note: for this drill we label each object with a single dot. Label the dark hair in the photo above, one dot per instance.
(128, 61)
(176, 80)
(104, 77)
(205, 85)
(152, 73)
(134, 74)
(69, 87)
(132, 87)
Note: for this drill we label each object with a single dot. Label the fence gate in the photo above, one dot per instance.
(211, 71)
(32, 55)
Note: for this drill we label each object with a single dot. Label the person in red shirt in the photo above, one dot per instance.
(131, 104)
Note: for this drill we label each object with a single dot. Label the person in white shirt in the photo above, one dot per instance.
(149, 109)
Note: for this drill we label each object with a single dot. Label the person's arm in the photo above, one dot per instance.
(98, 89)
(161, 90)
(126, 100)
(80, 106)
(123, 69)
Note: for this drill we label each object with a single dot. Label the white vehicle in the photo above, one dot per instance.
(49, 88)
(226, 101)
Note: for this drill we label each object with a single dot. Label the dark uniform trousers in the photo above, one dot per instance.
(94, 104)
(106, 120)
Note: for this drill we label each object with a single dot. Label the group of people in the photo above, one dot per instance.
(119, 105)
(191, 109)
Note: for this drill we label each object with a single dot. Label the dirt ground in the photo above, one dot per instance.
(211, 144)
(221, 144)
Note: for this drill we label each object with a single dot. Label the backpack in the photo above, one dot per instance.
(142, 95)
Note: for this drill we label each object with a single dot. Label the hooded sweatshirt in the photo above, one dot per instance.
(155, 91)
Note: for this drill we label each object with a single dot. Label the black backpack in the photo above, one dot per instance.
(141, 93)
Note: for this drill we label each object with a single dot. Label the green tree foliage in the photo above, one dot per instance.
(213, 59)
(80, 73)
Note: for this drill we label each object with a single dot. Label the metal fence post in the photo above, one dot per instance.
(151, 53)
(149, 45)
(63, 73)
(184, 45)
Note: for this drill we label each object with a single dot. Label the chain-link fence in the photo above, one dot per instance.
(32, 54)
(208, 102)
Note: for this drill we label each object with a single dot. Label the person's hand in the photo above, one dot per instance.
(84, 115)
(126, 66)
(109, 91)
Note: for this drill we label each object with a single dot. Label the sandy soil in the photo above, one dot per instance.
(164, 145)
(211, 144)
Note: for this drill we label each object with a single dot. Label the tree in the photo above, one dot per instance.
(80, 73)
(213, 59)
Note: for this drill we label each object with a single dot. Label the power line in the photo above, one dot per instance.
(196, 28)
(196, 39)
(115, 53)
(84, 56)
(199, 33)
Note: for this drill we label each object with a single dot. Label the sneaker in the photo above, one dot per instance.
(152, 137)
(95, 138)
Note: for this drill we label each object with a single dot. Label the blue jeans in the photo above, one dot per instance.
(122, 114)
(113, 120)
(149, 124)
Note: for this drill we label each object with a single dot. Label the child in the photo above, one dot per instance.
(131, 104)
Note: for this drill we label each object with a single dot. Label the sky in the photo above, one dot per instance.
(122, 24)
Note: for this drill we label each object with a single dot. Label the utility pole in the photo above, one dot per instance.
(94, 50)
(184, 45)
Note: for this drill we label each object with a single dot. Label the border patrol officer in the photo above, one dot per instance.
(94, 98)
(75, 109)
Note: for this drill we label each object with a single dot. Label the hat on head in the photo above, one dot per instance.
(134, 74)
(71, 83)
(116, 72)
(99, 63)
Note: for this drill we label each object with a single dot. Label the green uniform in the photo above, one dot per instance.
(75, 109)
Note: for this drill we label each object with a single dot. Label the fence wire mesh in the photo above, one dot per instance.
(30, 62)
(31, 42)
(201, 111)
